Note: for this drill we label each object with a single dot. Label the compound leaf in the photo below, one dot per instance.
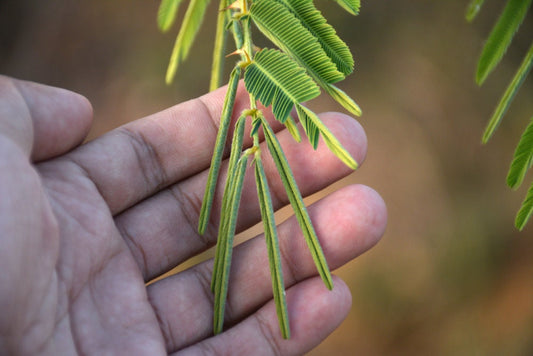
(273, 78)
(312, 132)
(523, 158)
(167, 14)
(225, 243)
(293, 129)
(274, 254)
(352, 6)
(330, 140)
(225, 119)
(508, 95)
(500, 37)
(281, 27)
(524, 214)
(473, 9)
(226, 213)
(189, 28)
(295, 198)
(316, 24)
(217, 65)
(342, 98)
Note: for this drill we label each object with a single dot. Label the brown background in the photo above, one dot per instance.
(452, 275)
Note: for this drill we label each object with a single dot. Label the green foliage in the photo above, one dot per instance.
(316, 24)
(473, 9)
(495, 47)
(311, 55)
(229, 209)
(291, 126)
(523, 158)
(500, 37)
(295, 198)
(288, 33)
(190, 26)
(231, 201)
(225, 119)
(352, 6)
(508, 95)
(167, 14)
(274, 255)
(330, 140)
(274, 79)
(219, 46)
(524, 214)
(342, 98)
(309, 126)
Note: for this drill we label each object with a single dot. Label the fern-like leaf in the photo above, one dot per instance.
(273, 78)
(220, 143)
(473, 9)
(316, 24)
(167, 14)
(217, 65)
(310, 128)
(526, 210)
(501, 36)
(225, 244)
(508, 95)
(352, 6)
(291, 126)
(189, 28)
(342, 98)
(330, 140)
(295, 198)
(274, 254)
(281, 27)
(523, 158)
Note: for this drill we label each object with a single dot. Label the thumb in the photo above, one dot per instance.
(43, 121)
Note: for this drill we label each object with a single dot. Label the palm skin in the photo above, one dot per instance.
(84, 227)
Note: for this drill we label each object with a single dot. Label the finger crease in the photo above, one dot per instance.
(136, 250)
(214, 123)
(83, 171)
(287, 261)
(147, 157)
(165, 327)
(190, 207)
(268, 334)
(206, 348)
(202, 273)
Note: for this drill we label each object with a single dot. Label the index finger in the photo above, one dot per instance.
(138, 159)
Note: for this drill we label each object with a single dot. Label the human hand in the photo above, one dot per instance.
(83, 228)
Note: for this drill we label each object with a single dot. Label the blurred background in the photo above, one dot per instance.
(451, 275)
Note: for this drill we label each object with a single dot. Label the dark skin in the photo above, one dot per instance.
(84, 227)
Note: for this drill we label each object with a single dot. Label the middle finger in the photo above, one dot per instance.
(162, 230)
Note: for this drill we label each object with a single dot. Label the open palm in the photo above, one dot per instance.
(84, 227)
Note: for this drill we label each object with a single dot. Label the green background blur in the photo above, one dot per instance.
(451, 276)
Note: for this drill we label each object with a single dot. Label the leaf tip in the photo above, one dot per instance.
(348, 160)
(166, 14)
(473, 9)
(520, 222)
(357, 110)
(202, 226)
(512, 182)
(351, 6)
(489, 131)
(481, 75)
(171, 73)
(329, 284)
